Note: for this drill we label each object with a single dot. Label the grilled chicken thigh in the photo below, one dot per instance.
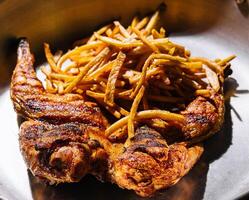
(62, 153)
(204, 117)
(148, 164)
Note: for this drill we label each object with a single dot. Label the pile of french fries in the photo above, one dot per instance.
(135, 73)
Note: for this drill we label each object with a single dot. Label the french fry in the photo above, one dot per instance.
(147, 114)
(77, 50)
(212, 78)
(226, 60)
(50, 58)
(100, 31)
(120, 68)
(111, 84)
(123, 31)
(133, 111)
(145, 40)
(213, 65)
(142, 23)
(86, 68)
(151, 24)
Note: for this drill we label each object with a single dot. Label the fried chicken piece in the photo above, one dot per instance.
(204, 116)
(61, 153)
(148, 164)
(32, 101)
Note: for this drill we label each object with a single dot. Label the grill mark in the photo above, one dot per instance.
(59, 113)
(143, 147)
(197, 118)
(145, 135)
(33, 104)
(50, 131)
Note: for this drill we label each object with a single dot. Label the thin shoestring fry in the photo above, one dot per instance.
(122, 68)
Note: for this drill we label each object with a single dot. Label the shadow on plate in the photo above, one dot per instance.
(244, 8)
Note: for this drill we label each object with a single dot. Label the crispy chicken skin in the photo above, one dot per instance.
(204, 116)
(31, 101)
(61, 153)
(148, 164)
(59, 141)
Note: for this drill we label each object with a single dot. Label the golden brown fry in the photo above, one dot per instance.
(78, 50)
(123, 31)
(207, 62)
(50, 58)
(172, 50)
(157, 123)
(95, 95)
(147, 114)
(145, 40)
(119, 37)
(62, 77)
(134, 22)
(143, 76)
(74, 71)
(46, 71)
(113, 76)
(98, 65)
(162, 32)
(84, 60)
(133, 112)
(192, 65)
(118, 43)
(152, 22)
(202, 92)
(169, 57)
(123, 93)
(96, 60)
(107, 67)
(60, 88)
(114, 31)
(108, 32)
(142, 23)
(49, 87)
(79, 91)
(156, 34)
(212, 79)
(148, 62)
(119, 83)
(100, 31)
(226, 60)
(113, 111)
(67, 68)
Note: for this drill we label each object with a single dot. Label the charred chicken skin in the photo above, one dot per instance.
(33, 102)
(204, 117)
(64, 138)
(58, 140)
(148, 164)
(61, 153)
